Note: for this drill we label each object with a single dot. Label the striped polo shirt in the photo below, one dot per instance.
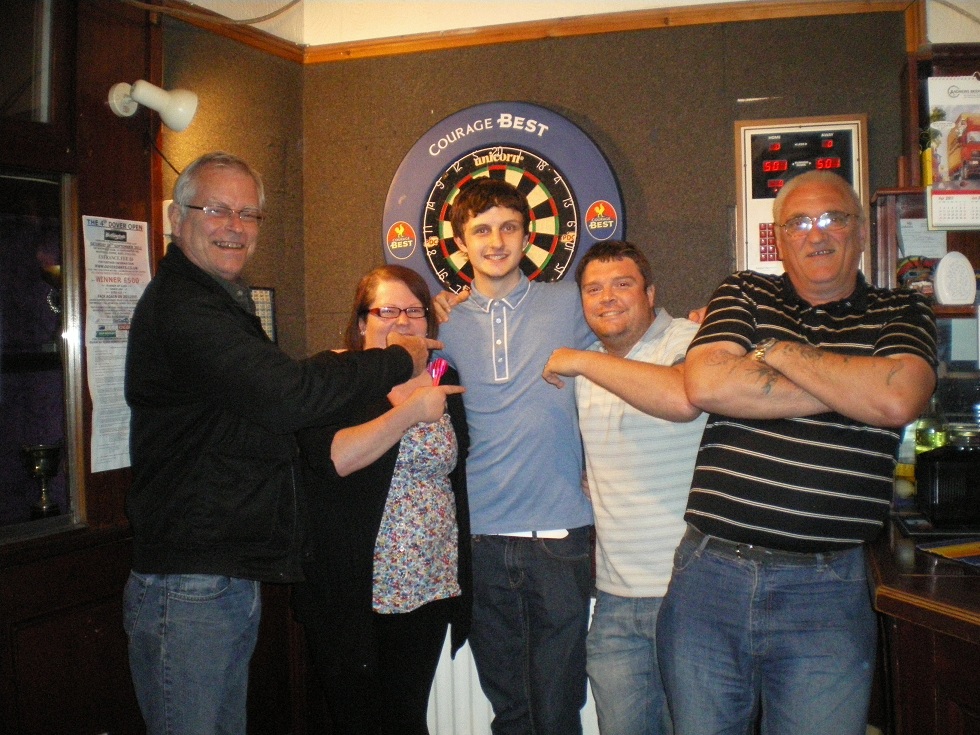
(813, 483)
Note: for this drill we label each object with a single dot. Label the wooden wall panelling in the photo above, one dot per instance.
(549, 28)
(50, 145)
(913, 677)
(63, 661)
(114, 168)
(935, 681)
(957, 684)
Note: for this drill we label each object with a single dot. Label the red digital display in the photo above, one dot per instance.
(778, 165)
(826, 163)
(775, 147)
(827, 143)
(775, 183)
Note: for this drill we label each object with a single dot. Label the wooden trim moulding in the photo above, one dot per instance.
(258, 39)
(636, 20)
(916, 37)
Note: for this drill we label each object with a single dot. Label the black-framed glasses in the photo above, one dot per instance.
(828, 221)
(247, 216)
(393, 312)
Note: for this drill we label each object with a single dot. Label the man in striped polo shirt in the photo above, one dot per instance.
(808, 378)
(641, 437)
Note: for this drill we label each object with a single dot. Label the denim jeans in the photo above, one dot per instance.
(622, 663)
(191, 637)
(792, 638)
(530, 617)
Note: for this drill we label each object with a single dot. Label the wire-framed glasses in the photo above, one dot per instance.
(393, 312)
(248, 215)
(828, 221)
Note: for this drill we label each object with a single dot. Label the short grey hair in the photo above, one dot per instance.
(816, 177)
(186, 187)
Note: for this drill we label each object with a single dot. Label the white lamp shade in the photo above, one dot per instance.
(176, 107)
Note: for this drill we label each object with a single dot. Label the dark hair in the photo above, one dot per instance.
(616, 250)
(366, 291)
(479, 195)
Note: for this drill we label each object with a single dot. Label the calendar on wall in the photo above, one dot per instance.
(951, 209)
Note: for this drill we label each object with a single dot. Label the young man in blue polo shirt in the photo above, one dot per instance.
(530, 520)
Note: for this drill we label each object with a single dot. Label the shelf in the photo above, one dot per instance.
(888, 208)
(954, 312)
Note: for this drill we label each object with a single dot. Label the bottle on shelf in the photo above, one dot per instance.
(931, 428)
(905, 467)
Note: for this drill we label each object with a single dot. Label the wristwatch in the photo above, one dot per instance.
(762, 348)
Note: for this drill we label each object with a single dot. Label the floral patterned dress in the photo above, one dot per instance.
(415, 555)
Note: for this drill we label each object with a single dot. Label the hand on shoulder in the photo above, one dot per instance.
(444, 301)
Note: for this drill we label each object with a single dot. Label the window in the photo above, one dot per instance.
(40, 407)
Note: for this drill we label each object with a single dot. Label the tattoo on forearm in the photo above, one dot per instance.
(815, 355)
(768, 378)
(722, 359)
(806, 352)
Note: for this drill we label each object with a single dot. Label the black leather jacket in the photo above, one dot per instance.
(215, 406)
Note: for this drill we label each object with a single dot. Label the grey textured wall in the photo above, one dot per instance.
(250, 104)
(660, 104)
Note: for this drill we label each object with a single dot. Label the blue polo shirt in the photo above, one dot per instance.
(524, 468)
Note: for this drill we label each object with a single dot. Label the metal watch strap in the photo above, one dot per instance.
(762, 348)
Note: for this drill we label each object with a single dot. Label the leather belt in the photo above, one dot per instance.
(761, 554)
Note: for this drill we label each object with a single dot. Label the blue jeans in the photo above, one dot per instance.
(743, 630)
(530, 617)
(622, 664)
(191, 637)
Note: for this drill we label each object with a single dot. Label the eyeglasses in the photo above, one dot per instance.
(393, 312)
(828, 221)
(247, 216)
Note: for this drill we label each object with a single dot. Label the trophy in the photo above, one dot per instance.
(41, 460)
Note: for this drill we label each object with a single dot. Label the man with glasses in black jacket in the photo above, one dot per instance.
(214, 505)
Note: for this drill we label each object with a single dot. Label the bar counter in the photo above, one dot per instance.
(930, 613)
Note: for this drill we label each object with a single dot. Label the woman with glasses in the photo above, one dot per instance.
(387, 564)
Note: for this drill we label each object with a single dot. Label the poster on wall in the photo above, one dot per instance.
(117, 270)
(573, 194)
(954, 131)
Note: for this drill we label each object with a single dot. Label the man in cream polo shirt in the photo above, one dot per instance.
(641, 438)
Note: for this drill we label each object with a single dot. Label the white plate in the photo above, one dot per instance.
(954, 281)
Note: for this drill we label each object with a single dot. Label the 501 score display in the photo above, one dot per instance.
(779, 156)
(821, 164)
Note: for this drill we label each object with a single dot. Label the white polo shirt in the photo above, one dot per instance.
(639, 469)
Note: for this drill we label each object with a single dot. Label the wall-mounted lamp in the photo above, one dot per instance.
(176, 107)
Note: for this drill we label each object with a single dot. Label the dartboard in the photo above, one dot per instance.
(572, 194)
(553, 228)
